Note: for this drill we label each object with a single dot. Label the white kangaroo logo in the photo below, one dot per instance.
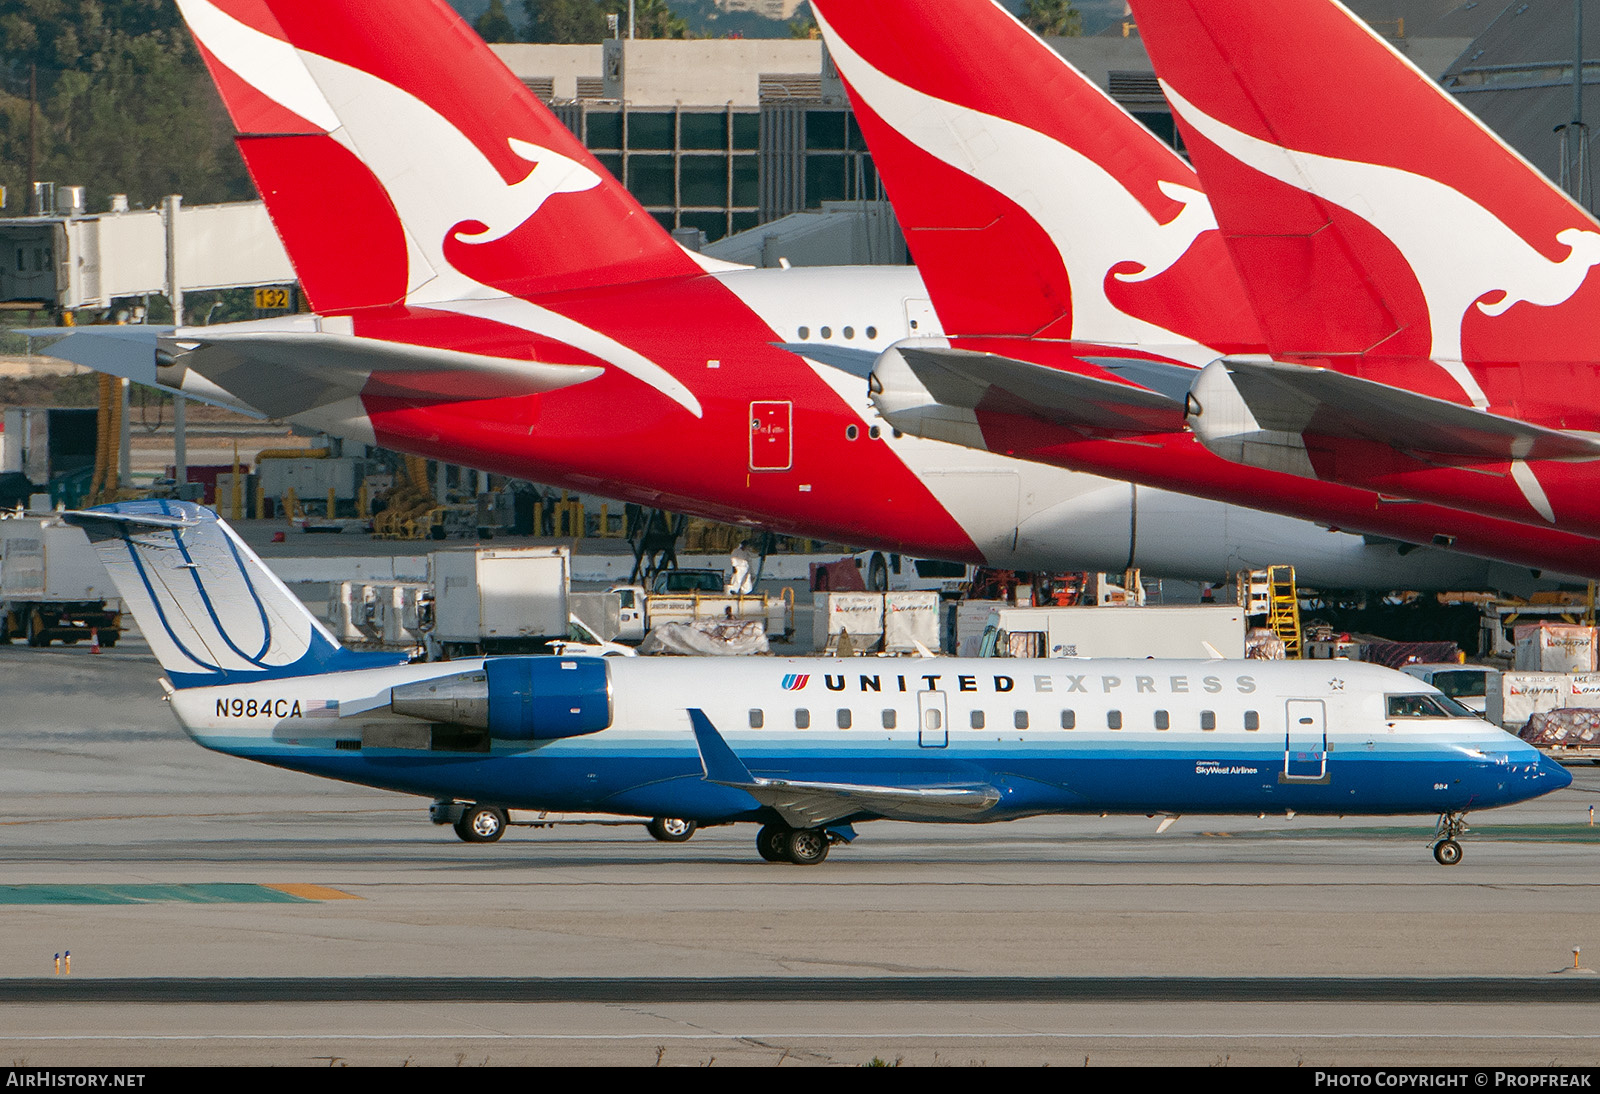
(1055, 184)
(1458, 250)
(437, 178)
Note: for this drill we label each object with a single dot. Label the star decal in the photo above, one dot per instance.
(1336, 684)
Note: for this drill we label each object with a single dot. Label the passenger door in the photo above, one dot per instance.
(1305, 748)
(771, 435)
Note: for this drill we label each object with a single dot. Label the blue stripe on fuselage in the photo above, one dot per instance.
(666, 780)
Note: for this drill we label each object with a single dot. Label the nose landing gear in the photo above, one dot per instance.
(1446, 851)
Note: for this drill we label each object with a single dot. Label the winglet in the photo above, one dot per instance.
(719, 761)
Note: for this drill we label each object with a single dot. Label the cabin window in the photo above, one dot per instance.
(872, 332)
(802, 718)
(1020, 719)
(1208, 720)
(875, 432)
(933, 719)
(757, 718)
(1163, 721)
(977, 719)
(1113, 719)
(851, 432)
(1069, 719)
(844, 718)
(805, 332)
(1252, 720)
(888, 719)
(827, 332)
(849, 332)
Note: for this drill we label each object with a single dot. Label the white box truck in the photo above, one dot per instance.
(53, 586)
(498, 599)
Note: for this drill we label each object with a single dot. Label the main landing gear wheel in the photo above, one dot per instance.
(770, 842)
(806, 846)
(481, 824)
(1447, 852)
(671, 829)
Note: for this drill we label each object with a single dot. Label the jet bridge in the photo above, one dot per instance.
(68, 262)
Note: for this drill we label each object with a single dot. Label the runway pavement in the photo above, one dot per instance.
(221, 911)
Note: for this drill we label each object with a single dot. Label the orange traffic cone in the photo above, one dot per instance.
(94, 639)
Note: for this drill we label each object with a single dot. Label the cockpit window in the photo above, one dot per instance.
(1426, 706)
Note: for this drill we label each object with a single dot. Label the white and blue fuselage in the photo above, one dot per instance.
(1047, 736)
(800, 745)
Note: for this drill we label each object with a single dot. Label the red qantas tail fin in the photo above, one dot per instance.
(1033, 203)
(401, 161)
(1367, 211)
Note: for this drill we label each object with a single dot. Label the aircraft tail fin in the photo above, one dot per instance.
(401, 161)
(1033, 204)
(1366, 209)
(210, 609)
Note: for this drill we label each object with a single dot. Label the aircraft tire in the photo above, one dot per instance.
(806, 846)
(1447, 852)
(671, 829)
(877, 574)
(771, 842)
(481, 824)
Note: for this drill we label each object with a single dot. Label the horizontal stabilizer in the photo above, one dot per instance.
(284, 372)
(934, 391)
(1238, 404)
(118, 350)
(101, 524)
(814, 804)
(131, 353)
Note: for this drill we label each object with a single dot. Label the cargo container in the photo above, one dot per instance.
(894, 623)
(1555, 647)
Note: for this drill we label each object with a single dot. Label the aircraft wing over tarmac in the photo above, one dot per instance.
(805, 746)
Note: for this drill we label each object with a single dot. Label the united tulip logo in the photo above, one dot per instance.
(794, 681)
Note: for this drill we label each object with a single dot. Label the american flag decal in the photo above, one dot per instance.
(795, 681)
(325, 708)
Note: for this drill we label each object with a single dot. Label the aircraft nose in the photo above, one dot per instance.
(1551, 775)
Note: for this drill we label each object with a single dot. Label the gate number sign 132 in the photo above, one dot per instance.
(272, 299)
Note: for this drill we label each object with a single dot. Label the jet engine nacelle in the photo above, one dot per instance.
(516, 698)
(908, 403)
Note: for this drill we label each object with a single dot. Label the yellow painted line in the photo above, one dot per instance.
(312, 892)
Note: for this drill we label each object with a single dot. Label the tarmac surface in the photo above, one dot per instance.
(222, 912)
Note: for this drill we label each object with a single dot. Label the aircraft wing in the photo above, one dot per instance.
(814, 804)
(949, 384)
(1298, 399)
